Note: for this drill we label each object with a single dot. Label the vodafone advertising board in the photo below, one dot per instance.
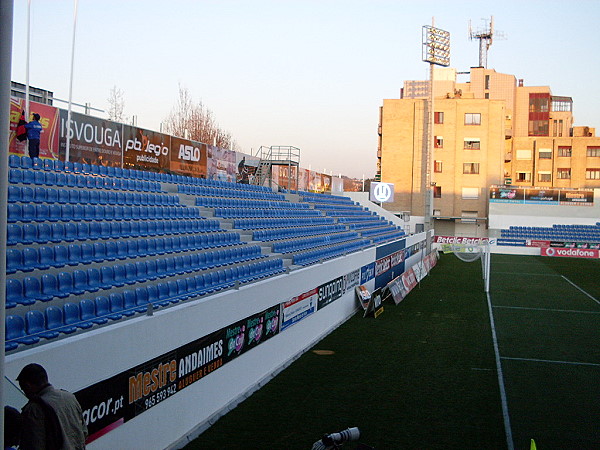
(569, 252)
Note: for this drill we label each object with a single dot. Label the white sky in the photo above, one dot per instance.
(306, 73)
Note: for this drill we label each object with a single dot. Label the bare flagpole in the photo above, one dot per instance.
(67, 149)
(6, 31)
(27, 60)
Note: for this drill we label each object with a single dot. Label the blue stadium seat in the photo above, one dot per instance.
(141, 299)
(32, 290)
(107, 277)
(14, 234)
(14, 194)
(72, 316)
(31, 259)
(55, 320)
(49, 164)
(80, 282)
(88, 312)
(50, 286)
(46, 257)
(35, 324)
(94, 280)
(14, 260)
(15, 333)
(14, 161)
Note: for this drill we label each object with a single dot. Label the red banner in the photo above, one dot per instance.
(188, 157)
(570, 252)
(49, 120)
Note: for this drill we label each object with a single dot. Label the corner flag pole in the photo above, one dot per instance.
(67, 149)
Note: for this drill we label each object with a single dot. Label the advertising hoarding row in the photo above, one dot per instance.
(541, 196)
(93, 140)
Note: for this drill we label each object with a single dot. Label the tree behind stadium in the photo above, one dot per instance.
(196, 122)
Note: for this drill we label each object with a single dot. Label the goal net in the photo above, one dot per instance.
(472, 253)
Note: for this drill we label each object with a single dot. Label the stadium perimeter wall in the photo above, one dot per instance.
(99, 365)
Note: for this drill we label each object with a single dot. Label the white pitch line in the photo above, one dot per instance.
(507, 428)
(573, 363)
(528, 274)
(577, 287)
(549, 310)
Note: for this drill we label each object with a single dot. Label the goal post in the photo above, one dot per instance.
(472, 253)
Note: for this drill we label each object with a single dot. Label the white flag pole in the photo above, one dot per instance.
(67, 149)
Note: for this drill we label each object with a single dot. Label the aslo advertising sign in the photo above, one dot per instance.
(382, 192)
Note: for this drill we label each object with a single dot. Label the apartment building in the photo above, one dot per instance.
(489, 130)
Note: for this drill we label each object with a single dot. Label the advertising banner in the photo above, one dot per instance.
(463, 240)
(499, 194)
(303, 179)
(367, 273)
(188, 157)
(330, 291)
(576, 198)
(409, 280)
(220, 164)
(146, 150)
(113, 401)
(512, 242)
(542, 196)
(246, 168)
(298, 308)
(49, 119)
(397, 289)
(569, 252)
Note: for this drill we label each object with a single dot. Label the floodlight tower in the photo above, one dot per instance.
(485, 36)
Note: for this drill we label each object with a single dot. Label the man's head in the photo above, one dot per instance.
(32, 379)
(36, 116)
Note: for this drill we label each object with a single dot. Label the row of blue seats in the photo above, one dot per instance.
(316, 255)
(42, 233)
(285, 233)
(39, 194)
(327, 207)
(325, 198)
(44, 257)
(277, 222)
(17, 176)
(386, 236)
(367, 223)
(348, 214)
(232, 213)
(294, 245)
(378, 230)
(49, 286)
(55, 321)
(25, 162)
(230, 192)
(224, 202)
(56, 212)
(359, 219)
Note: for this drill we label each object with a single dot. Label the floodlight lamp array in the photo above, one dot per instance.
(436, 46)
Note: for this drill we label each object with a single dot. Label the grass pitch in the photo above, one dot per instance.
(424, 374)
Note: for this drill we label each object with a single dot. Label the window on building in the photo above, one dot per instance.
(563, 174)
(470, 168)
(593, 151)
(437, 212)
(562, 104)
(487, 95)
(470, 193)
(538, 128)
(564, 151)
(472, 144)
(438, 117)
(439, 142)
(544, 177)
(468, 216)
(437, 192)
(437, 166)
(545, 153)
(592, 174)
(523, 176)
(472, 119)
(523, 154)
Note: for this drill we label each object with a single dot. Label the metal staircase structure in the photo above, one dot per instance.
(286, 156)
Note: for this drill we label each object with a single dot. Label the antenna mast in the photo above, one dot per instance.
(485, 37)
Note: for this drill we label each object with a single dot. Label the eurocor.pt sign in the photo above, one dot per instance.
(382, 192)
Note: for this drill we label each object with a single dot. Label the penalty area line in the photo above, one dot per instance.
(581, 290)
